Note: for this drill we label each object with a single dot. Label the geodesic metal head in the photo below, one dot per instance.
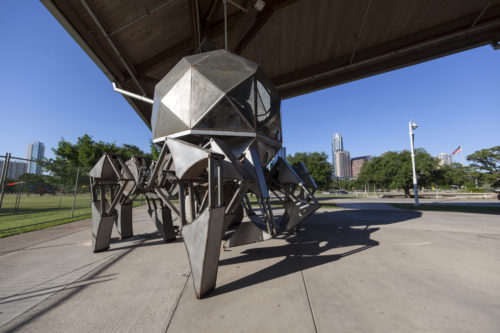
(219, 94)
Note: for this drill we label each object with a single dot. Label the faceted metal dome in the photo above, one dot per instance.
(218, 94)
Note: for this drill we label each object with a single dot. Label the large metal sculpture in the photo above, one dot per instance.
(216, 117)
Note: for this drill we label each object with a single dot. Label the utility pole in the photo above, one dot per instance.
(74, 193)
(412, 126)
(3, 176)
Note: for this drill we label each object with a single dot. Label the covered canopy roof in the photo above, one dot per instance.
(302, 45)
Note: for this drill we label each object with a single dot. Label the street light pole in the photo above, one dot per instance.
(412, 126)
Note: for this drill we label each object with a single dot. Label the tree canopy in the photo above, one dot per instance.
(318, 166)
(84, 154)
(488, 161)
(393, 170)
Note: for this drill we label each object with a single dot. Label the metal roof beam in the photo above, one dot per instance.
(260, 20)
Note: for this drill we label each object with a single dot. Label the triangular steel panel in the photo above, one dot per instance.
(178, 99)
(174, 75)
(189, 160)
(243, 98)
(224, 116)
(204, 95)
(223, 59)
(238, 144)
(219, 146)
(264, 95)
(167, 123)
(195, 58)
(96, 170)
(103, 169)
(202, 239)
(266, 150)
(223, 78)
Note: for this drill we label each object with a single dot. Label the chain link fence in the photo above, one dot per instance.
(31, 198)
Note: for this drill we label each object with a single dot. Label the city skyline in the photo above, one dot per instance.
(337, 145)
(450, 98)
(444, 158)
(342, 164)
(35, 151)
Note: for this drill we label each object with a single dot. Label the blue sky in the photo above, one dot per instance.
(49, 89)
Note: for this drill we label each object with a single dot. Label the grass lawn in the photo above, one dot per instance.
(449, 208)
(38, 212)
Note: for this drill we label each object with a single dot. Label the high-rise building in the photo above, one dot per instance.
(343, 164)
(337, 145)
(36, 151)
(444, 159)
(357, 163)
(15, 169)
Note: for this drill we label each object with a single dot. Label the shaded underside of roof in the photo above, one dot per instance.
(302, 45)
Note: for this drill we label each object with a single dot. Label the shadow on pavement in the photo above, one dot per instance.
(73, 288)
(53, 289)
(322, 232)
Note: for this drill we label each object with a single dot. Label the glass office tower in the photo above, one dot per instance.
(36, 151)
(337, 145)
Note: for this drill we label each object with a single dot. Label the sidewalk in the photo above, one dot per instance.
(348, 270)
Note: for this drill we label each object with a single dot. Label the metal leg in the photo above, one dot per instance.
(102, 226)
(203, 239)
(162, 217)
(124, 220)
(247, 232)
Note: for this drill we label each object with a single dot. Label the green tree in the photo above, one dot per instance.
(84, 154)
(487, 161)
(318, 166)
(393, 170)
(155, 151)
(452, 174)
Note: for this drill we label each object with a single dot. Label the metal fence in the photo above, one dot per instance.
(29, 199)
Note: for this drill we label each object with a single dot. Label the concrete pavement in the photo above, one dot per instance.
(363, 268)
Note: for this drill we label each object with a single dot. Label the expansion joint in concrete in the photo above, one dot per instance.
(177, 302)
(298, 256)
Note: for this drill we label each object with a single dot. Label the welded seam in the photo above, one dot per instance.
(307, 292)
(177, 303)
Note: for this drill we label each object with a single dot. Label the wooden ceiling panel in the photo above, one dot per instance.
(386, 21)
(156, 32)
(309, 34)
(303, 45)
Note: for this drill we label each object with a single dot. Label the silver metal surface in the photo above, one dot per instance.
(216, 118)
(102, 225)
(108, 180)
(162, 217)
(216, 93)
(203, 240)
(128, 93)
(123, 220)
(247, 232)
